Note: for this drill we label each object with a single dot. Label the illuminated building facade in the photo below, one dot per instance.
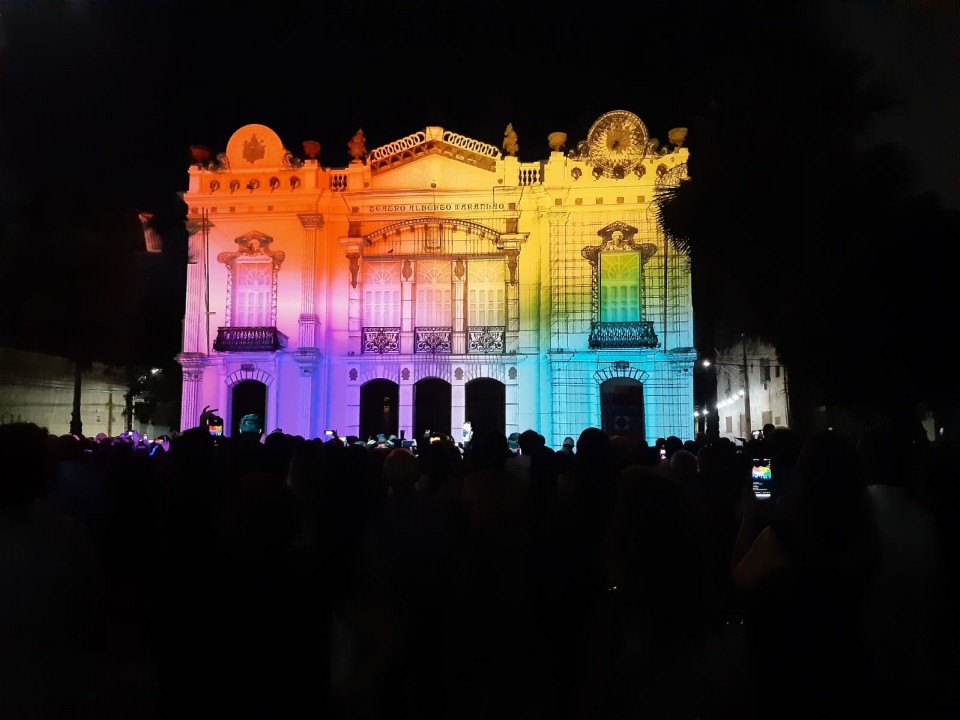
(438, 279)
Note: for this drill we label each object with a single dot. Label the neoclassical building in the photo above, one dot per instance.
(438, 279)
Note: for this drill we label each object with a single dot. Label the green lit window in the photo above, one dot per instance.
(620, 287)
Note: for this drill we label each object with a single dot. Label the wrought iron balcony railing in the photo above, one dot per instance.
(247, 339)
(434, 340)
(623, 335)
(382, 340)
(486, 339)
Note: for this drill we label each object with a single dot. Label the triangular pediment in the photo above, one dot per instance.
(434, 142)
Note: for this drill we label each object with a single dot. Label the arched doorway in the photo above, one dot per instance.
(248, 396)
(621, 408)
(486, 405)
(431, 407)
(379, 405)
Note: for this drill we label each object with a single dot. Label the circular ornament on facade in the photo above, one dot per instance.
(617, 142)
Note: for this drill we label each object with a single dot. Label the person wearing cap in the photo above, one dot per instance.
(568, 444)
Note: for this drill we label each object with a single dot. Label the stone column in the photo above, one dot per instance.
(312, 222)
(195, 322)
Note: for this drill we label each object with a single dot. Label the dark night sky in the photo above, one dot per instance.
(109, 95)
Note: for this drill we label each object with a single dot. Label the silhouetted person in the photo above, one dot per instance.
(51, 591)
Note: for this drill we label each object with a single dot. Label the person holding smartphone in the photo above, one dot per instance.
(802, 581)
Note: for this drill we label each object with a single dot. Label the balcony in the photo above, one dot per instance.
(247, 339)
(434, 340)
(486, 339)
(380, 340)
(623, 335)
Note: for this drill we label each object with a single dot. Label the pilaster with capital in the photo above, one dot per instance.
(512, 244)
(408, 274)
(193, 365)
(195, 316)
(311, 222)
(308, 366)
(405, 400)
(458, 403)
(352, 246)
(459, 305)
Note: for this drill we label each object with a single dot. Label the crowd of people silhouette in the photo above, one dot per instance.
(275, 576)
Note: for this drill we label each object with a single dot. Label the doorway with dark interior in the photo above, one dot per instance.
(379, 404)
(431, 407)
(248, 397)
(621, 408)
(486, 405)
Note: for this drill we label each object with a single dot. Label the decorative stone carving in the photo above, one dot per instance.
(512, 265)
(358, 146)
(557, 141)
(311, 148)
(200, 154)
(677, 136)
(354, 259)
(353, 374)
(290, 161)
(510, 145)
(254, 149)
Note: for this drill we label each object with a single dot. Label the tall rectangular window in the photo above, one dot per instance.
(434, 294)
(381, 294)
(620, 287)
(486, 293)
(252, 289)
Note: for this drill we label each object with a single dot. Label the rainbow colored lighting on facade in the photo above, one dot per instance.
(438, 279)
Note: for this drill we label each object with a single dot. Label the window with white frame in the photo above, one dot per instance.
(252, 291)
(486, 293)
(434, 294)
(381, 294)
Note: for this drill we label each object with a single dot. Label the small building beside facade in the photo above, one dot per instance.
(751, 389)
(39, 388)
(437, 279)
